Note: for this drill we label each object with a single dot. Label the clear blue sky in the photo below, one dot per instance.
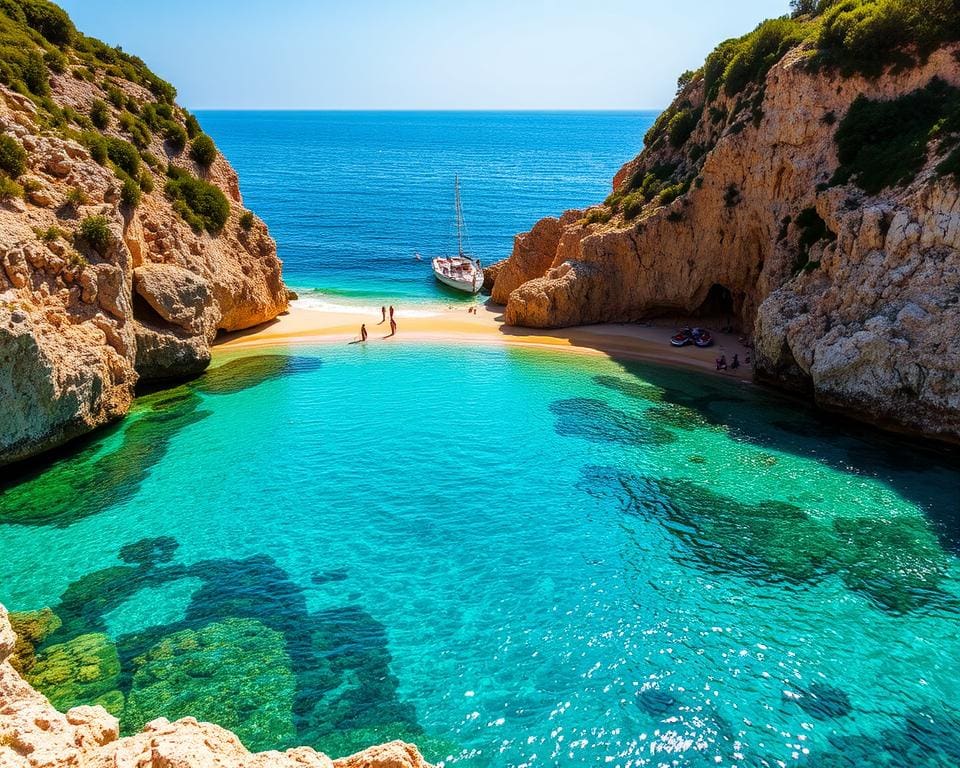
(421, 54)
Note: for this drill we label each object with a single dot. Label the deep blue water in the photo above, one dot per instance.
(351, 196)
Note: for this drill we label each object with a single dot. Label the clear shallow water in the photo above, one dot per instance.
(512, 557)
(351, 196)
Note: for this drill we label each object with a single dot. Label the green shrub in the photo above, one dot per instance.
(669, 194)
(95, 232)
(9, 189)
(129, 191)
(246, 220)
(49, 234)
(632, 205)
(55, 60)
(600, 214)
(754, 55)
(13, 157)
(124, 155)
(681, 125)
(100, 114)
(884, 143)
(868, 35)
(137, 129)
(76, 197)
(146, 182)
(114, 95)
(175, 137)
(49, 20)
(97, 144)
(203, 150)
(951, 165)
(202, 205)
(193, 126)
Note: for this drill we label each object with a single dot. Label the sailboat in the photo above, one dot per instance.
(461, 272)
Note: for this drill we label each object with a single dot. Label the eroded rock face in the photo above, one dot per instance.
(35, 735)
(80, 326)
(865, 328)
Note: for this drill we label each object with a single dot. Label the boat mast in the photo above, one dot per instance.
(456, 185)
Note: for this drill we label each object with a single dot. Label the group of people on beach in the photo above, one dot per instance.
(735, 363)
(393, 324)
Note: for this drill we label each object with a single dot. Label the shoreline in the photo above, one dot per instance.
(649, 341)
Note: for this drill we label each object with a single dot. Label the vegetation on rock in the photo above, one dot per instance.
(884, 143)
(13, 157)
(202, 205)
(202, 150)
(95, 232)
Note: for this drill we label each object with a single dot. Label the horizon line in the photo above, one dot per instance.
(571, 110)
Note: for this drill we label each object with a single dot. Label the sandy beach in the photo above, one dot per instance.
(649, 341)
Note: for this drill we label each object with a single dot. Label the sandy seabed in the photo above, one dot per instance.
(649, 341)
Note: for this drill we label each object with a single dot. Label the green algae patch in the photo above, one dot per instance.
(84, 670)
(235, 673)
(106, 472)
(31, 628)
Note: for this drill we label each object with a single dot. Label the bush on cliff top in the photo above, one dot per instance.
(202, 205)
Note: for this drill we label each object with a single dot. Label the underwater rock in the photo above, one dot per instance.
(245, 372)
(823, 701)
(680, 417)
(84, 670)
(597, 422)
(31, 628)
(235, 673)
(150, 551)
(338, 574)
(897, 563)
(634, 388)
(655, 702)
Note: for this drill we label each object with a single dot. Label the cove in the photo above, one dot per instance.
(508, 556)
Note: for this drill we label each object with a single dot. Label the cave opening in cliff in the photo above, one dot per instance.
(720, 307)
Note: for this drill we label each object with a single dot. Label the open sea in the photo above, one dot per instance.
(351, 197)
(511, 557)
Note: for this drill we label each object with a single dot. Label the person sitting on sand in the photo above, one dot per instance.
(383, 312)
(363, 332)
(722, 363)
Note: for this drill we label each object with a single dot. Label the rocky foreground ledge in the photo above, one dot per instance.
(35, 735)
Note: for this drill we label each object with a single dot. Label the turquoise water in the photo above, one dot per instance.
(510, 556)
(351, 196)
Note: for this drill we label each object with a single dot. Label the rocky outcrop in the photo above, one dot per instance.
(83, 318)
(860, 319)
(35, 735)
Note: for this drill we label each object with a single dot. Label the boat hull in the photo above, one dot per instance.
(469, 281)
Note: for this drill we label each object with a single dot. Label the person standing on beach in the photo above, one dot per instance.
(393, 325)
(363, 332)
(391, 315)
(383, 312)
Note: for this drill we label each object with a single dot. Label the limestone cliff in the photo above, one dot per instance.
(35, 735)
(124, 243)
(742, 209)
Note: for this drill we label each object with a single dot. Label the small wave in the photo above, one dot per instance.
(318, 304)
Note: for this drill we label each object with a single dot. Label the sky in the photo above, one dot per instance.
(421, 54)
